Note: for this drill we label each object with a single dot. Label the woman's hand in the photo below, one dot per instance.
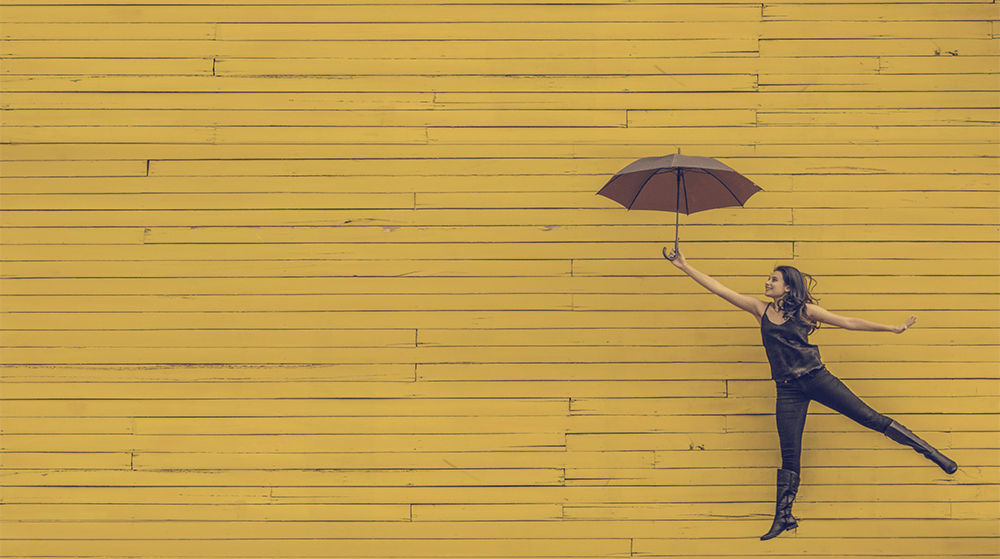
(905, 326)
(675, 257)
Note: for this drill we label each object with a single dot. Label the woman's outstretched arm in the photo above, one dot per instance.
(820, 314)
(752, 305)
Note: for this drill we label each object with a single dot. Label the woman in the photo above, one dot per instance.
(800, 376)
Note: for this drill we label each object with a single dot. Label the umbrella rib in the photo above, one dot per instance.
(724, 185)
(643, 185)
(687, 206)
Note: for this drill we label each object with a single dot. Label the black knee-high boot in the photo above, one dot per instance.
(788, 487)
(902, 435)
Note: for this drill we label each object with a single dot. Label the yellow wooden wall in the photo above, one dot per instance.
(330, 279)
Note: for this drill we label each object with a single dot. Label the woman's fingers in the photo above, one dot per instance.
(906, 325)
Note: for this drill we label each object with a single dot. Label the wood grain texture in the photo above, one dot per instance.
(330, 279)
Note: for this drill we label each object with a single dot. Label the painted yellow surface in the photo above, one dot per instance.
(330, 279)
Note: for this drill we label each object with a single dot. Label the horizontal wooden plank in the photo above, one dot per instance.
(461, 513)
(573, 495)
(291, 269)
(911, 117)
(489, 442)
(914, 547)
(292, 443)
(954, 387)
(448, 477)
(886, 405)
(499, 200)
(136, 3)
(638, 371)
(610, 30)
(828, 250)
(641, 30)
(650, 302)
(935, 64)
(913, 242)
(116, 66)
(216, 338)
(58, 235)
(171, 47)
(397, 244)
(435, 372)
(59, 425)
(926, 426)
(815, 216)
(466, 513)
(511, 355)
(210, 201)
(880, 82)
(134, 31)
(636, 459)
(388, 118)
(412, 84)
(632, 337)
(773, 242)
(717, 100)
(202, 390)
(426, 407)
(415, 12)
(88, 154)
(928, 474)
(689, 511)
(652, 269)
(540, 548)
(399, 218)
(307, 373)
(736, 64)
(734, 135)
(394, 101)
(100, 169)
(430, 425)
(207, 135)
(886, 47)
(887, 12)
(841, 526)
(395, 460)
(66, 460)
(355, 302)
(816, 459)
(210, 513)
(905, 275)
(302, 338)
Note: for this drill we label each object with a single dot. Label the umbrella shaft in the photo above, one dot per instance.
(677, 223)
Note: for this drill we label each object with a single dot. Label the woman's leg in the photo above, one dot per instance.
(834, 394)
(790, 413)
(791, 408)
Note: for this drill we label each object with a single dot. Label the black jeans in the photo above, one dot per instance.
(793, 404)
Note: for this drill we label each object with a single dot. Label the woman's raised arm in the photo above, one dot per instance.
(820, 314)
(752, 305)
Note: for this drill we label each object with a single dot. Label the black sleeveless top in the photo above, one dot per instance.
(788, 348)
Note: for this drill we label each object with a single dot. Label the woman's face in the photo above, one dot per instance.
(775, 286)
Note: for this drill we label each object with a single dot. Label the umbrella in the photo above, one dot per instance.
(678, 183)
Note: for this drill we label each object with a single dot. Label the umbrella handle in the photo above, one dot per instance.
(667, 255)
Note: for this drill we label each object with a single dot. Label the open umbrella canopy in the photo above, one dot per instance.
(678, 183)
